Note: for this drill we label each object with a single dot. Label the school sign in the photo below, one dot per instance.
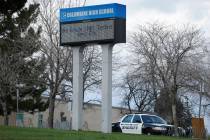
(93, 24)
(80, 27)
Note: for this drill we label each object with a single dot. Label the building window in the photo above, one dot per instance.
(62, 115)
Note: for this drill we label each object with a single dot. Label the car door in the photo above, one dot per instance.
(136, 125)
(125, 124)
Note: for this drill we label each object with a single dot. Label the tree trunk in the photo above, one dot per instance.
(6, 118)
(174, 114)
(51, 110)
(129, 107)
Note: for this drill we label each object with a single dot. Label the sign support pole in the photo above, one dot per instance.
(106, 88)
(77, 118)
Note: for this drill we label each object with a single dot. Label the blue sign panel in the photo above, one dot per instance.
(93, 12)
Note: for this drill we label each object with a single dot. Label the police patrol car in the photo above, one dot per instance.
(143, 124)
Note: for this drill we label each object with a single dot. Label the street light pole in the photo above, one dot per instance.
(17, 94)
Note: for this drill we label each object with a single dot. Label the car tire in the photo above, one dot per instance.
(148, 134)
(147, 131)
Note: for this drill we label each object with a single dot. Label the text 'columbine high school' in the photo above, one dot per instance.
(89, 13)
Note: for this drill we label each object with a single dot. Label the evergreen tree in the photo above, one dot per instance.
(163, 108)
(19, 67)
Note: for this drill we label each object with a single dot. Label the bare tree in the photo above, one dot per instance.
(139, 91)
(166, 48)
(128, 93)
(59, 59)
(91, 72)
(91, 69)
(199, 85)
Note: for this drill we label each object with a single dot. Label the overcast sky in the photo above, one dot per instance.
(168, 11)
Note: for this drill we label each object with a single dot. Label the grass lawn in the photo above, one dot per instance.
(12, 133)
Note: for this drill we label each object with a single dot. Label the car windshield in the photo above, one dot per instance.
(152, 119)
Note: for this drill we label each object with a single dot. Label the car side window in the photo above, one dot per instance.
(127, 119)
(136, 119)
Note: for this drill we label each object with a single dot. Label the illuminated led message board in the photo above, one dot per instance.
(93, 24)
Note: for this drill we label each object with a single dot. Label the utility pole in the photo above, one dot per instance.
(201, 96)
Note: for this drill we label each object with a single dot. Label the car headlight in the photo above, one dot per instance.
(159, 128)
